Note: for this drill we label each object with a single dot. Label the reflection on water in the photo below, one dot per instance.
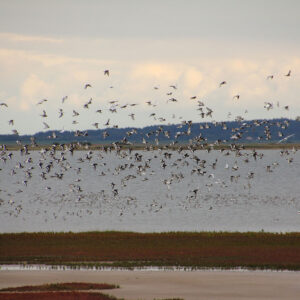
(150, 191)
(36, 267)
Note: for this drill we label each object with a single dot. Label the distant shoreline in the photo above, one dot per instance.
(246, 146)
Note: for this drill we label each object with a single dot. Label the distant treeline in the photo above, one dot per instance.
(253, 131)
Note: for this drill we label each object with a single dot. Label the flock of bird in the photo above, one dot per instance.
(121, 168)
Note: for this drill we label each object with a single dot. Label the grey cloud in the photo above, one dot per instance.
(234, 19)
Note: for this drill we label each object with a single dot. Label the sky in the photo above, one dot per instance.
(51, 49)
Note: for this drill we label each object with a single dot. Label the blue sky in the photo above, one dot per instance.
(50, 49)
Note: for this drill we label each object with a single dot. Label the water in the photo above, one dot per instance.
(41, 267)
(147, 197)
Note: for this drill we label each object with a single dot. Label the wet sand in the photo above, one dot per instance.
(189, 285)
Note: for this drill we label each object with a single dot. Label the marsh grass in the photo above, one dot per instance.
(56, 296)
(66, 286)
(252, 250)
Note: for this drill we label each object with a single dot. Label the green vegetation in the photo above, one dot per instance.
(254, 250)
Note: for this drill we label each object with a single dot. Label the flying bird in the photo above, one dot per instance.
(44, 114)
(286, 138)
(61, 113)
(75, 113)
(42, 101)
(132, 116)
(268, 105)
(64, 99)
(86, 105)
(106, 72)
(46, 126)
(222, 83)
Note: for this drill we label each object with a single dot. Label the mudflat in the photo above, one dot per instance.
(188, 285)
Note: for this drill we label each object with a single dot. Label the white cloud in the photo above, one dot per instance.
(28, 38)
(33, 90)
(160, 72)
(28, 76)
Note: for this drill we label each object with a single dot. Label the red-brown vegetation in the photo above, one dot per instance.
(66, 286)
(203, 249)
(56, 296)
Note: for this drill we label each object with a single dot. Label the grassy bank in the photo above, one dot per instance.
(128, 249)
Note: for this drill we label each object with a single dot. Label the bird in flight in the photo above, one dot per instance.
(268, 105)
(46, 126)
(44, 114)
(106, 72)
(237, 97)
(61, 113)
(75, 113)
(270, 77)
(42, 101)
(86, 105)
(288, 74)
(286, 138)
(222, 83)
(87, 85)
(64, 99)
(3, 104)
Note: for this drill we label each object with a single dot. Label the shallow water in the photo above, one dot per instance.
(41, 267)
(153, 198)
